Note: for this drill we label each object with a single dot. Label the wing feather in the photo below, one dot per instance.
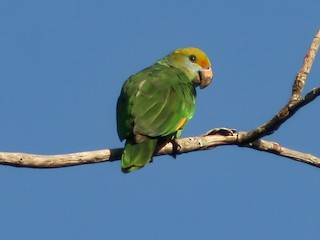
(154, 102)
(165, 100)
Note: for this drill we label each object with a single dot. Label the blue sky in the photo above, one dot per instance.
(62, 67)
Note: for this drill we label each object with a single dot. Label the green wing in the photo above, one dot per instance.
(154, 103)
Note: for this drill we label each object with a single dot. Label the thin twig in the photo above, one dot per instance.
(295, 102)
(275, 148)
(302, 75)
(208, 141)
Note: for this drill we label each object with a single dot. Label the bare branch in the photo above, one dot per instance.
(275, 148)
(56, 161)
(187, 145)
(296, 101)
(302, 75)
(208, 141)
(72, 159)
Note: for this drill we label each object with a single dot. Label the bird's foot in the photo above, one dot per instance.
(175, 148)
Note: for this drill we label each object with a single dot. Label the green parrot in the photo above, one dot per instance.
(157, 102)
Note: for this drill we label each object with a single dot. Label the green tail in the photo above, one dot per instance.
(136, 155)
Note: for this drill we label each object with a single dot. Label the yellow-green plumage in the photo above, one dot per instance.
(156, 103)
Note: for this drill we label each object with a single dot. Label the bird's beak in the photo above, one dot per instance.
(206, 76)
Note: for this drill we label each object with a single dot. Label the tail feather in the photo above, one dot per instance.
(137, 155)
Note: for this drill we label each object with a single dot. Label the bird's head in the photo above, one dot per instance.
(194, 63)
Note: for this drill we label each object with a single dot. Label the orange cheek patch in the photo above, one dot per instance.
(181, 123)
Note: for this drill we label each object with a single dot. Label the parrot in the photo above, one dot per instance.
(156, 103)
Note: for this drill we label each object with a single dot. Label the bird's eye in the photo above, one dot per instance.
(192, 58)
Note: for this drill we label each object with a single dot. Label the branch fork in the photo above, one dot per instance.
(213, 138)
